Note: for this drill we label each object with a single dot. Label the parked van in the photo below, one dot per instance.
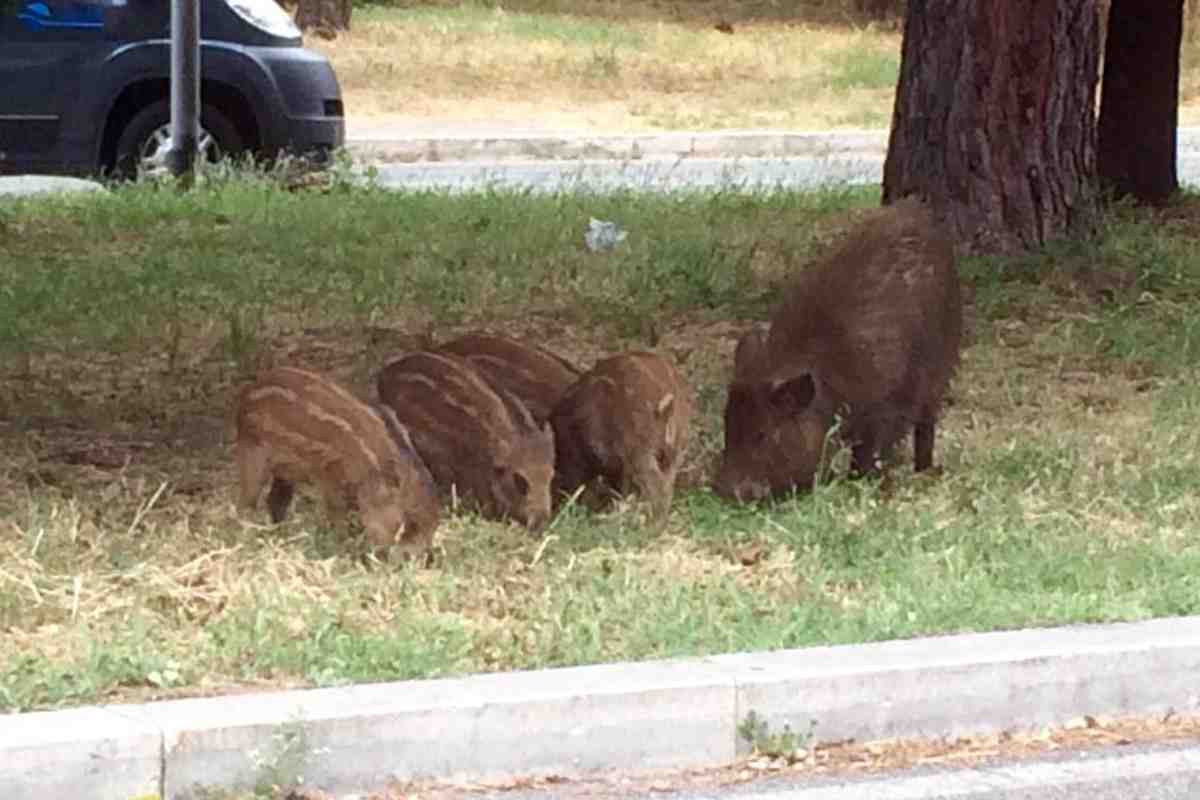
(85, 85)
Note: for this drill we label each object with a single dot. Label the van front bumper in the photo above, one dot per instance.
(321, 135)
(306, 84)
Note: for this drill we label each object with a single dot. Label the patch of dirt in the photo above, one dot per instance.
(71, 419)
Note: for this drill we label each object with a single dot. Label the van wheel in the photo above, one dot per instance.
(143, 145)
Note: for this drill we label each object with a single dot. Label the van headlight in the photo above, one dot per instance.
(266, 15)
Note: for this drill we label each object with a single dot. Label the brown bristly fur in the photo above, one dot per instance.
(296, 426)
(480, 441)
(533, 374)
(624, 424)
(870, 334)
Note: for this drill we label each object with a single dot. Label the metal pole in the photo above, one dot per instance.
(185, 88)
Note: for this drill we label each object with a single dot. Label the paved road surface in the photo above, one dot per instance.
(660, 174)
(1153, 772)
(649, 175)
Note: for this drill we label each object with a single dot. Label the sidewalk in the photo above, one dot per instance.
(402, 140)
(647, 715)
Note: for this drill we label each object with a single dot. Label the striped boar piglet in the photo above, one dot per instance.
(479, 441)
(295, 426)
(623, 427)
(537, 377)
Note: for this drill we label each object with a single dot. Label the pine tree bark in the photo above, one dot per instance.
(994, 120)
(325, 18)
(1139, 100)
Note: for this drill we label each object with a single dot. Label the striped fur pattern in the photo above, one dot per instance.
(624, 427)
(295, 426)
(478, 441)
(536, 376)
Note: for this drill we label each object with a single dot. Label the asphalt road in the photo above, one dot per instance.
(646, 175)
(742, 174)
(660, 175)
(1152, 772)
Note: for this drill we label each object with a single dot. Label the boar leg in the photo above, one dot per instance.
(254, 469)
(280, 498)
(337, 505)
(923, 433)
(863, 461)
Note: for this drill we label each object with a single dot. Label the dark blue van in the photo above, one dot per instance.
(85, 85)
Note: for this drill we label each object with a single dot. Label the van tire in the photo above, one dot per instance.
(145, 123)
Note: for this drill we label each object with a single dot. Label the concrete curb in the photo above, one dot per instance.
(26, 185)
(396, 145)
(385, 147)
(611, 716)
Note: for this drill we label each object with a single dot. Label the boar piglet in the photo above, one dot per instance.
(624, 426)
(478, 441)
(295, 426)
(863, 345)
(535, 376)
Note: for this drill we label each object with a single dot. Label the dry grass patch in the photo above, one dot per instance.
(636, 65)
(505, 66)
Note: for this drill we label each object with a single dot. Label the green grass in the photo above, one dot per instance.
(128, 320)
(164, 261)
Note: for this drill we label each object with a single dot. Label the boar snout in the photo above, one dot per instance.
(536, 521)
(739, 489)
(654, 480)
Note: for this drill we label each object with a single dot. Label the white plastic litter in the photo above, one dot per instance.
(603, 235)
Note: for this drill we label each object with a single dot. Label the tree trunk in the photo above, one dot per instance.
(1139, 99)
(994, 121)
(323, 17)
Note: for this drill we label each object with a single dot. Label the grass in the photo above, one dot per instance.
(637, 64)
(1069, 446)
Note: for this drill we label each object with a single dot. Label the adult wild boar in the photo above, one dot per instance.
(533, 374)
(865, 342)
(624, 426)
(480, 441)
(297, 426)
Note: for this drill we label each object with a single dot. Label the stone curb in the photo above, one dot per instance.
(395, 148)
(389, 145)
(613, 716)
(25, 185)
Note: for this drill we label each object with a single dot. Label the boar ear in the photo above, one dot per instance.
(665, 405)
(793, 394)
(750, 350)
(669, 431)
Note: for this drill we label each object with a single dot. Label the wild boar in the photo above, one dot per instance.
(482, 441)
(864, 343)
(297, 426)
(534, 375)
(624, 426)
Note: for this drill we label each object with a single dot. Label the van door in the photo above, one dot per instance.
(44, 45)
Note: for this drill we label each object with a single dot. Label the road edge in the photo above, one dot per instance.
(645, 715)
